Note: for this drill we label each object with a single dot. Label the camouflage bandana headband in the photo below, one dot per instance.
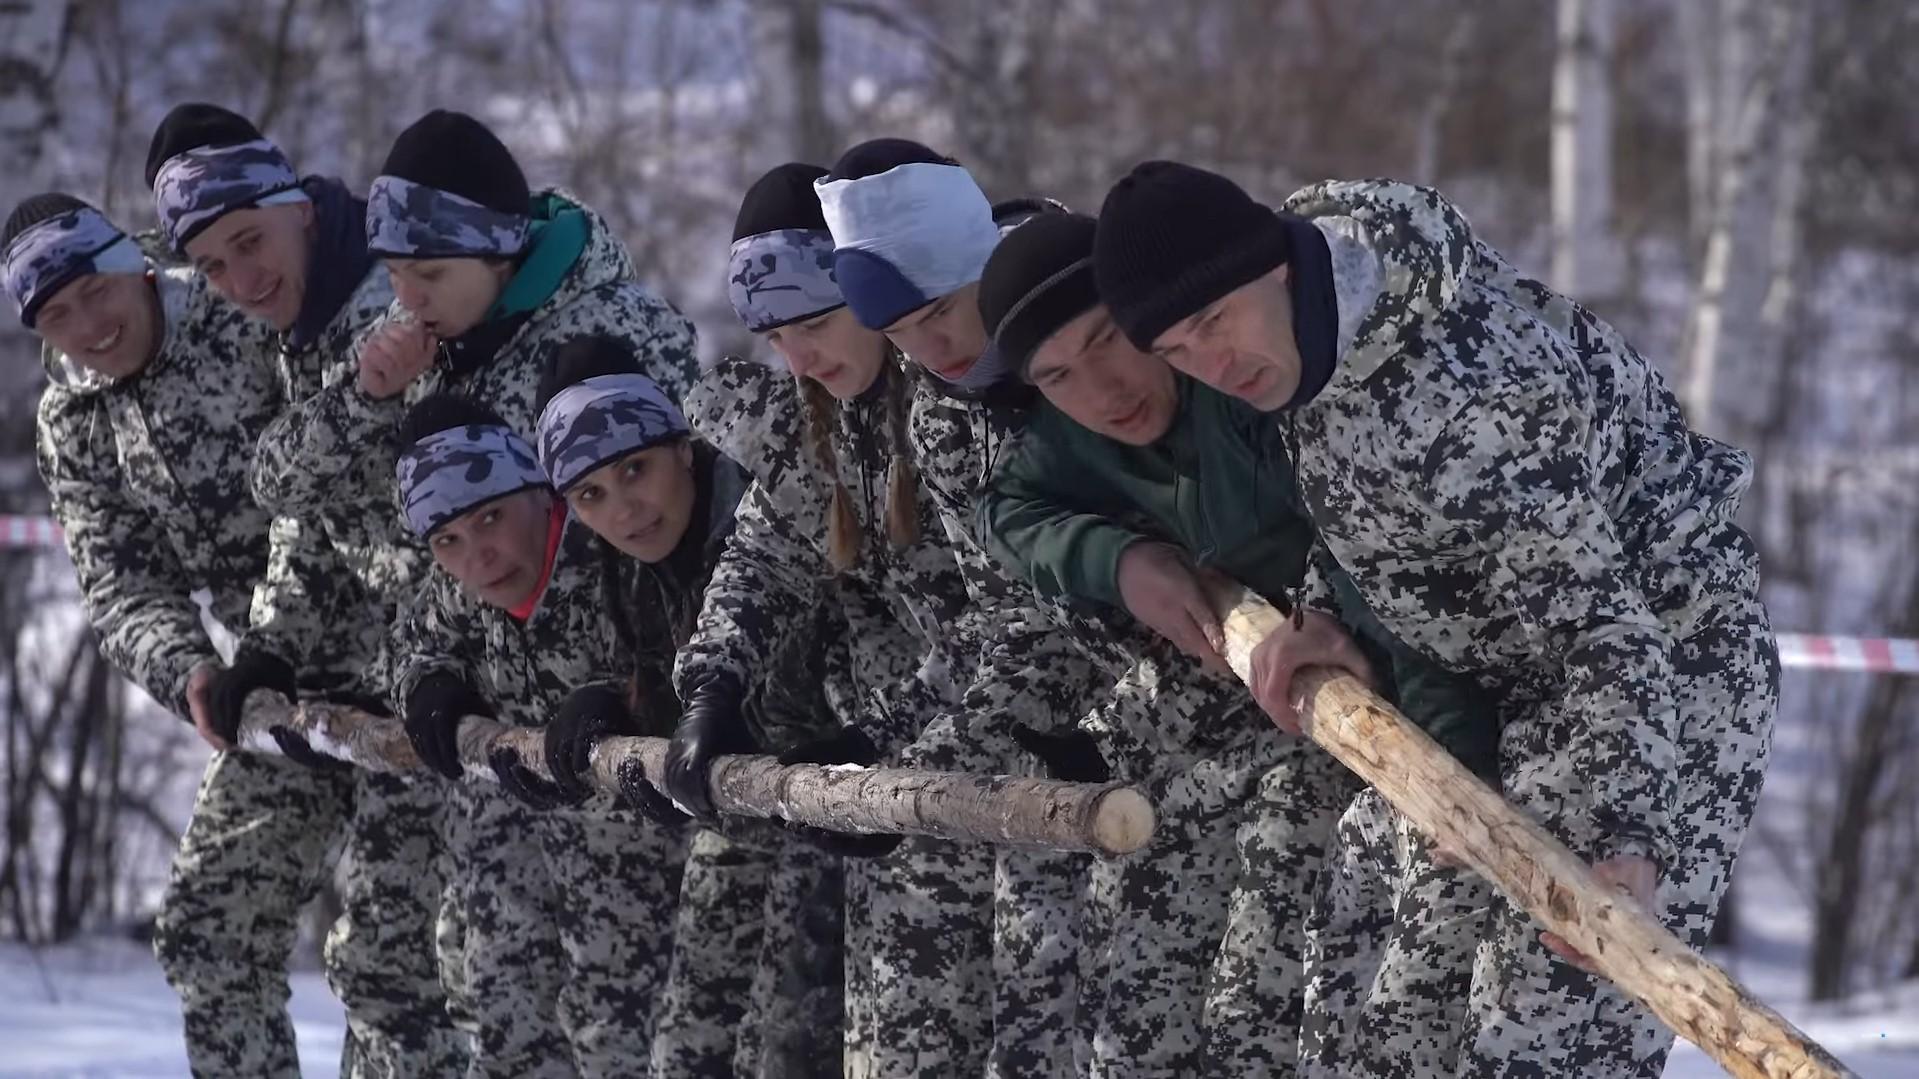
(450, 472)
(51, 254)
(194, 189)
(413, 221)
(600, 419)
(782, 276)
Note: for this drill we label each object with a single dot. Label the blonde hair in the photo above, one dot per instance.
(821, 416)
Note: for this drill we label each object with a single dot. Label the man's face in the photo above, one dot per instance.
(496, 550)
(257, 258)
(833, 350)
(946, 336)
(1089, 371)
(448, 296)
(105, 322)
(640, 503)
(1241, 344)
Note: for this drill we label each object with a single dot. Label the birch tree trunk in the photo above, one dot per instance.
(1584, 263)
(789, 59)
(1699, 65)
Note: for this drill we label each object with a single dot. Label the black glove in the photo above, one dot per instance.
(227, 692)
(848, 745)
(588, 714)
(523, 783)
(433, 713)
(1072, 756)
(640, 795)
(711, 725)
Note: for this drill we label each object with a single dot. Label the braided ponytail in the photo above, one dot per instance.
(821, 413)
(902, 478)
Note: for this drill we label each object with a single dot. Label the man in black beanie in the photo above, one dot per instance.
(1135, 476)
(290, 253)
(1514, 492)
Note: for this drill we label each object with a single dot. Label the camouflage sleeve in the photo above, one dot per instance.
(138, 596)
(1029, 670)
(437, 631)
(305, 458)
(668, 350)
(1516, 477)
(762, 593)
(1039, 531)
(298, 604)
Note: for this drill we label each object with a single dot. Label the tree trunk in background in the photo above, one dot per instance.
(1585, 264)
(1428, 136)
(789, 51)
(1723, 328)
(1699, 64)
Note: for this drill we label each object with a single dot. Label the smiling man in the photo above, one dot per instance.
(1515, 493)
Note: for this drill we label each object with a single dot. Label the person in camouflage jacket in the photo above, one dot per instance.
(289, 253)
(1515, 493)
(154, 386)
(568, 909)
(746, 994)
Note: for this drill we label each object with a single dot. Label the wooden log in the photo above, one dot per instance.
(1470, 820)
(1103, 818)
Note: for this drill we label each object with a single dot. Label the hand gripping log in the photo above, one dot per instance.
(1103, 818)
(1469, 819)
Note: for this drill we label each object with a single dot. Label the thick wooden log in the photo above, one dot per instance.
(1103, 818)
(1470, 820)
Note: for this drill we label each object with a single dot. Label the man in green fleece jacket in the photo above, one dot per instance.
(1132, 475)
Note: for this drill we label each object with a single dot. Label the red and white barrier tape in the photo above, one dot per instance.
(1804, 650)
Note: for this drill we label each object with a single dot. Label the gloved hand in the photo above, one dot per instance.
(848, 745)
(433, 713)
(1071, 755)
(294, 745)
(639, 794)
(588, 714)
(523, 783)
(711, 725)
(252, 669)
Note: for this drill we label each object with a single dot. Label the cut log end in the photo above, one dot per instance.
(1122, 822)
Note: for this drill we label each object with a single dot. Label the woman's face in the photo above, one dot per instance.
(641, 503)
(833, 350)
(496, 550)
(448, 296)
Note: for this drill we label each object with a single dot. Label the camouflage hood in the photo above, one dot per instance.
(1409, 246)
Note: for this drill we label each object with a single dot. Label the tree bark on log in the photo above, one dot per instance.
(1102, 818)
(1470, 820)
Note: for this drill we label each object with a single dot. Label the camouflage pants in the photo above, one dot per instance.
(381, 956)
(566, 935)
(1389, 951)
(257, 849)
(754, 989)
(1531, 1014)
(1039, 907)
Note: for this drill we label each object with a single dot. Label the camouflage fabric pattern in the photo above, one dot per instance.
(254, 852)
(782, 276)
(410, 220)
(596, 420)
(1596, 534)
(569, 910)
(450, 472)
(192, 189)
(52, 253)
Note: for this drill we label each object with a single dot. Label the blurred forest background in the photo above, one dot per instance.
(1733, 182)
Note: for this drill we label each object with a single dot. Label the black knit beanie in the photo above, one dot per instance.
(782, 199)
(874, 156)
(1173, 239)
(453, 152)
(1039, 278)
(193, 125)
(34, 209)
(583, 358)
(444, 411)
